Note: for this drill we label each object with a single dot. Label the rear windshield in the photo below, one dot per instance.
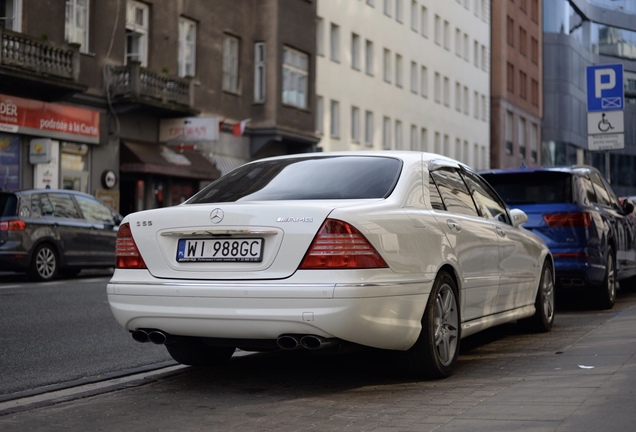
(8, 204)
(312, 178)
(532, 187)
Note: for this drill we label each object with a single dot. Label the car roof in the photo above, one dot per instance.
(564, 169)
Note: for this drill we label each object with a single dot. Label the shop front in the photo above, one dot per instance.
(46, 145)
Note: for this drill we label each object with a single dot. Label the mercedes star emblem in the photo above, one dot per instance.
(216, 216)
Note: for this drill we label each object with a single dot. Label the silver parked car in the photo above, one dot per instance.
(46, 233)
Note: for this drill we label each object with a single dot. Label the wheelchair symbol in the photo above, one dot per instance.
(604, 125)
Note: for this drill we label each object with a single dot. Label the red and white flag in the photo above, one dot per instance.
(239, 128)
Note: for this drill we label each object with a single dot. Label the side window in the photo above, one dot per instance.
(489, 204)
(92, 209)
(41, 205)
(433, 193)
(588, 196)
(601, 192)
(63, 206)
(455, 194)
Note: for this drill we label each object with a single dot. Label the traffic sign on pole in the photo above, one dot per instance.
(605, 88)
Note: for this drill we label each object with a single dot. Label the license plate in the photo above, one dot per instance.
(220, 250)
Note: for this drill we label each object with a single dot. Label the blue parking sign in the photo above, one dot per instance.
(605, 87)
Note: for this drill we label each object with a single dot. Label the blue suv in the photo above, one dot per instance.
(578, 215)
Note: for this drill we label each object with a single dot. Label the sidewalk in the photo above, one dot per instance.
(587, 386)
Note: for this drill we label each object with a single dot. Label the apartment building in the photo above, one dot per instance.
(143, 102)
(578, 34)
(516, 83)
(404, 74)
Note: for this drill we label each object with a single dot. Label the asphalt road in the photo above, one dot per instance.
(62, 333)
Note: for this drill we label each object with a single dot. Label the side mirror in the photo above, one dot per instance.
(519, 217)
(628, 206)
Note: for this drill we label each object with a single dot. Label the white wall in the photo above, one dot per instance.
(340, 82)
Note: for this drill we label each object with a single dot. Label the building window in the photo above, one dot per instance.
(508, 132)
(438, 88)
(320, 116)
(424, 22)
(320, 37)
(484, 60)
(466, 47)
(76, 26)
(523, 91)
(230, 64)
(476, 105)
(295, 77)
(522, 138)
(399, 11)
(458, 96)
(334, 119)
(446, 92)
(259, 72)
(523, 44)
(438, 143)
(414, 77)
(447, 36)
(398, 135)
(424, 82)
(11, 14)
(534, 92)
(510, 31)
(386, 66)
(387, 7)
(534, 50)
(510, 77)
(414, 15)
(438, 30)
(458, 42)
(368, 129)
(187, 47)
(424, 139)
(368, 58)
(534, 11)
(476, 54)
(386, 133)
(334, 43)
(399, 71)
(355, 51)
(465, 100)
(355, 124)
(137, 27)
(413, 140)
(534, 133)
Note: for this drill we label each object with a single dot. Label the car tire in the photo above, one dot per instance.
(44, 264)
(435, 352)
(606, 293)
(194, 352)
(544, 304)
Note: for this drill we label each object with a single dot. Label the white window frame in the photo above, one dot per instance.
(77, 23)
(399, 11)
(414, 77)
(398, 135)
(424, 82)
(368, 58)
(137, 30)
(386, 65)
(260, 71)
(320, 116)
(320, 37)
(386, 133)
(231, 49)
(399, 71)
(414, 8)
(187, 47)
(295, 77)
(424, 22)
(334, 42)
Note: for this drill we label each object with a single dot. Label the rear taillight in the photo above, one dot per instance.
(126, 253)
(13, 225)
(578, 219)
(339, 245)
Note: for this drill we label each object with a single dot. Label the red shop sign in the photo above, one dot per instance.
(38, 118)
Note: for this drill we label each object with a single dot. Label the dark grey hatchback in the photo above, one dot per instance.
(46, 233)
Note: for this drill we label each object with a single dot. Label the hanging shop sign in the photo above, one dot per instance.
(37, 118)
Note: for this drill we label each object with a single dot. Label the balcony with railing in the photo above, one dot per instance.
(47, 66)
(134, 84)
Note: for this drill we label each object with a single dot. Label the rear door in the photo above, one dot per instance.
(473, 239)
(103, 229)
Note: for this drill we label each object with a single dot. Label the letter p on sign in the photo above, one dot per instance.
(601, 83)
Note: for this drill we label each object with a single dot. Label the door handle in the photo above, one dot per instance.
(453, 225)
(501, 232)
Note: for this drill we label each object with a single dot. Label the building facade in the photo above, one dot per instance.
(145, 107)
(578, 34)
(516, 83)
(405, 74)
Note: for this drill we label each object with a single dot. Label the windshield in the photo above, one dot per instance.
(532, 187)
(311, 178)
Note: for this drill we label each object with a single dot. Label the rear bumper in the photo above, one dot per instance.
(369, 314)
(574, 274)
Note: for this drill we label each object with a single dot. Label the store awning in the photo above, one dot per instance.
(155, 158)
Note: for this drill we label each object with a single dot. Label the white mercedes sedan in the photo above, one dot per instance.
(401, 251)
